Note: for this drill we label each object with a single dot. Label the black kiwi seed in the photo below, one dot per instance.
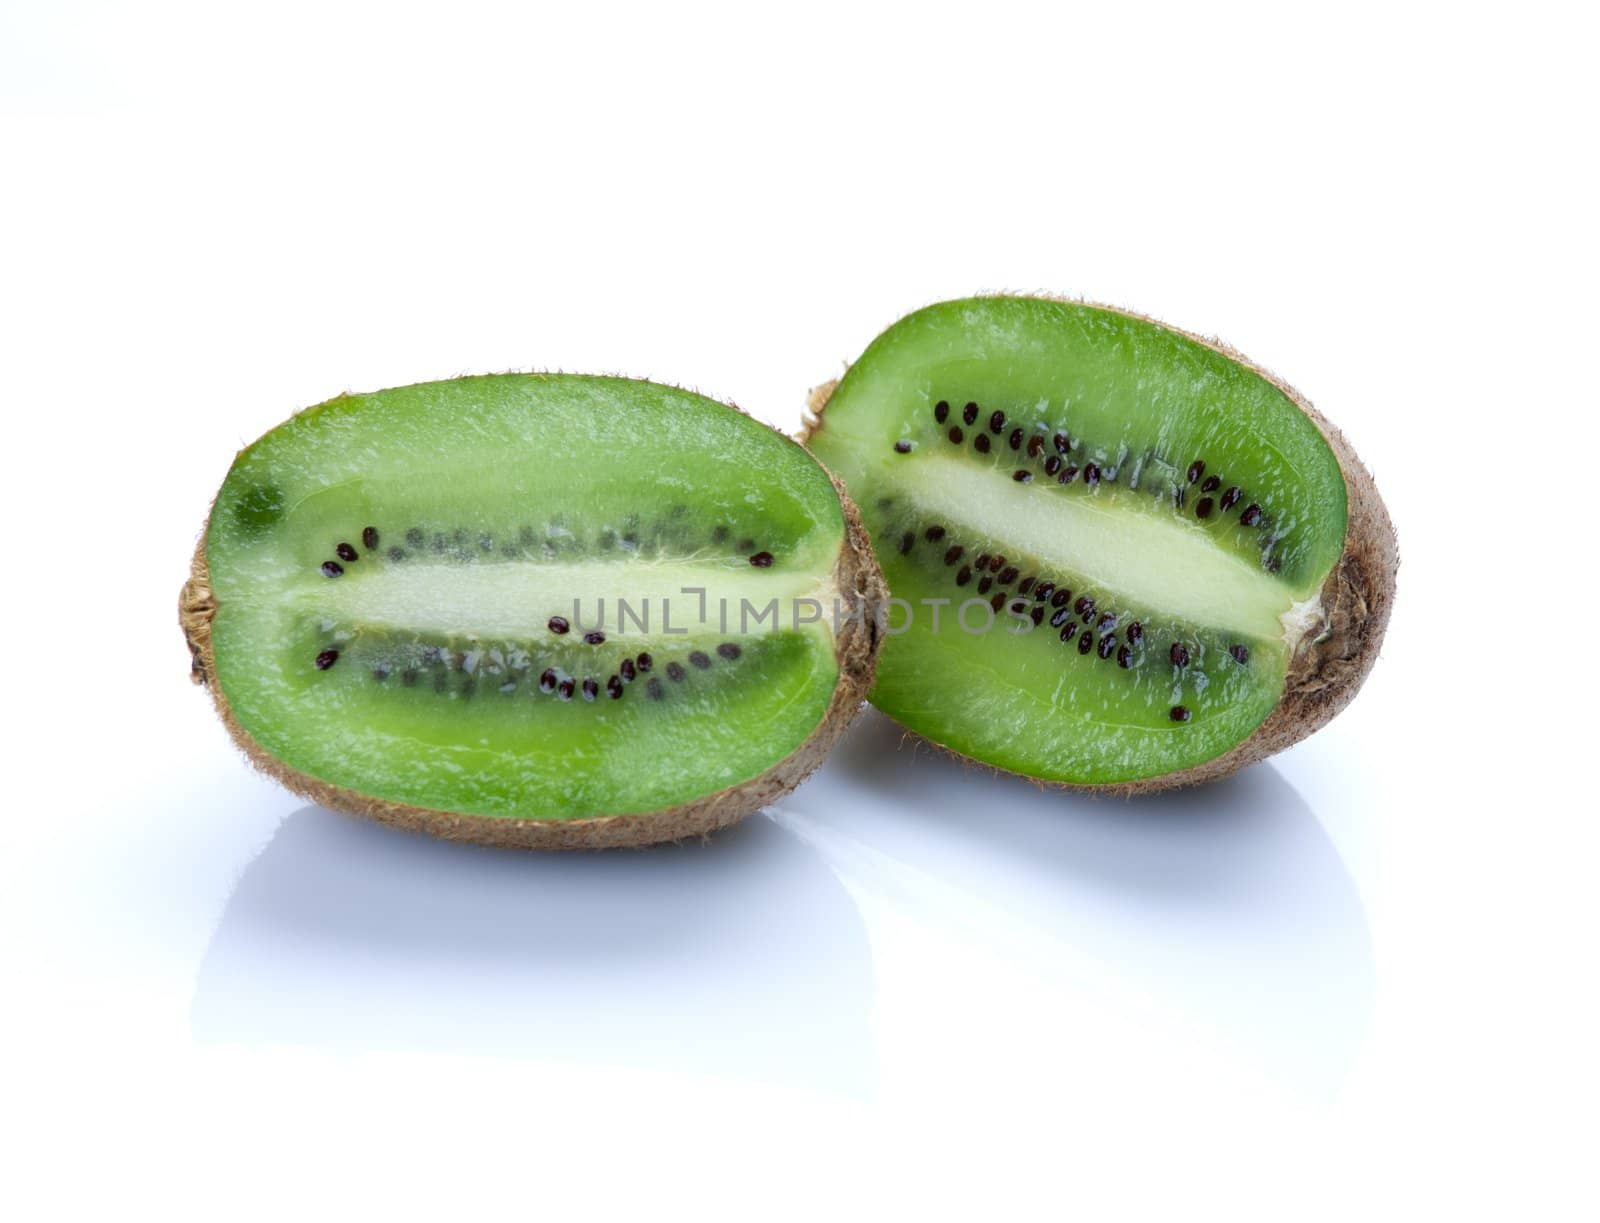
(700, 659)
(1069, 634)
(997, 562)
(1085, 643)
(719, 535)
(933, 534)
(1067, 474)
(627, 671)
(590, 689)
(1063, 443)
(644, 663)
(907, 542)
(964, 576)
(369, 538)
(440, 541)
(1106, 646)
(381, 672)
(1037, 614)
(955, 434)
(326, 659)
(596, 637)
(998, 601)
(653, 689)
(1179, 654)
(675, 671)
(565, 689)
(1084, 606)
(1108, 624)
(558, 625)
(1091, 474)
(1178, 714)
(902, 447)
(1024, 586)
(614, 687)
(728, 650)
(1043, 591)
(547, 682)
(485, 543)
(997, 421)
(1022, 475)
(941, 411)
(980, 443)
(762, 560)
(1061, 597)
(1211, 485)
(1059, 618)
(969, 413)
(408, 677)
(1052, 465)
(1035, 446)
(331, 569)
(1203, 507)
(1251, 515)
(1231, 498)
(1196, 470)
(1135, 633)
(1124, 657)
(1015, 440)
(985, 584)
(414, 537)
(953, 554)
(397, 554)
(983, 560)
(1009, 575)
(346, 553)
(1240, 653)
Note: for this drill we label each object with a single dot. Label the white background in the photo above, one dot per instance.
(1355, 979)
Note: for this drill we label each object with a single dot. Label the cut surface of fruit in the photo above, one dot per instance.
(1108, 543)
(533, 598)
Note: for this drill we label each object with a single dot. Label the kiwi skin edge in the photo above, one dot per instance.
(1331, 661)
(861, 585)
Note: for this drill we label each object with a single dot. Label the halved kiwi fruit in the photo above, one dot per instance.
(542, 610)
(1120, 556)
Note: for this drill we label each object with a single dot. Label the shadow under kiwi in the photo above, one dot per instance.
(742, 956)
(1226, 905)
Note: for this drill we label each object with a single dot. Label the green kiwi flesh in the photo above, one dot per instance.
(1119, 556)
(546, 610)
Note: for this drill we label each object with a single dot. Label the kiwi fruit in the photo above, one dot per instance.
(553, 611)
(1120, 556)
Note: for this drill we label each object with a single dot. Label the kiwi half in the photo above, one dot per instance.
(1120, 556)
(541, 610)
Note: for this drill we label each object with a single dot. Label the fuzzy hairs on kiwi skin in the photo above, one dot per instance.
(1335, 655)
(858, 580)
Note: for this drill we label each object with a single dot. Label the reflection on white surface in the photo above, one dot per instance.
(742, 957)
(1221, 915)
(1224, 908)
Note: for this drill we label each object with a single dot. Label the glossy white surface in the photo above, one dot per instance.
(1353, 982)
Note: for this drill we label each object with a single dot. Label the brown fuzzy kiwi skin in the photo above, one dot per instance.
(862, 591)
(1334, 656)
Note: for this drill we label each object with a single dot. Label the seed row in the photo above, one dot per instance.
(440, 661)
(1058, 465)
(458, 544)
(1079, 623)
